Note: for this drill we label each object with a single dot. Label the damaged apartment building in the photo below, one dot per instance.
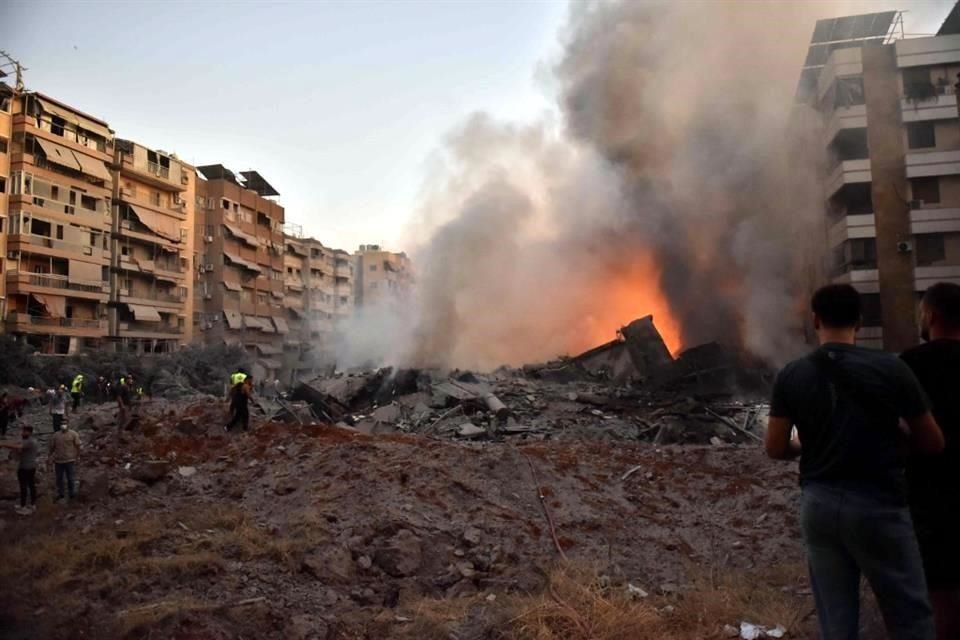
(382, 277)
(319, 296)
(891, 135)
(96, 242)
(240, 285)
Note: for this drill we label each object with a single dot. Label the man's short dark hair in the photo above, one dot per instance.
(837, 306)
(944, 298)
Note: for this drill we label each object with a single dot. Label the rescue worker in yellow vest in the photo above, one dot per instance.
(76, 390)
(237, 377)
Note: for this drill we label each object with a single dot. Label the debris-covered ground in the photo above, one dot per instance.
(546, 502)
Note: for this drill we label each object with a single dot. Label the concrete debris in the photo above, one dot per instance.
(749, 631)
(187, 472)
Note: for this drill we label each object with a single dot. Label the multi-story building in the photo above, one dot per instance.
(240, 283)
(58, 226)
(380, 276)
(6, 130)
(892, 189)
(154, 204)
(319, 296)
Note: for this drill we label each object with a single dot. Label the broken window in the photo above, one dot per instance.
(56, 125)
(850, 144)
(921, 135)
(849, 92)
(225, 203)
(930, 249)
(925, 191)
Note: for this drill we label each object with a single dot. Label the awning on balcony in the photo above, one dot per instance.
(280, 324)
(232, 286)
(240, 262)
(56, 306)
(167, 279)
(266, 325)
(75, 118)
(161, 225)
(234, 319)
(85, 273)
(93, 167)
(241, 235)
(143, 313)
(252, 322)
(58, 154)
(268, 349)
(297, 312)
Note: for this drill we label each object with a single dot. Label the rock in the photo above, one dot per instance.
(333, 564)
(150, 471)
(472, 536)
(364, 562)
(470, 430)
(401, 556)
(466, 569)
(124, 486)
(187, 472)
(390, 413)
(307, 627)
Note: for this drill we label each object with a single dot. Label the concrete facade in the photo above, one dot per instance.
(381, 276)
(240, 287)
(892, 189)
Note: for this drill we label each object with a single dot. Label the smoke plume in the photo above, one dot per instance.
(674, 185)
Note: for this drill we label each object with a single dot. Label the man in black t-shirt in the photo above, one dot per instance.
(934, 482)
(846, 402)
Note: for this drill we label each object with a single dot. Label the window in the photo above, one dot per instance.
(155, 198)
(3, 185)
(5, 104)
(225, 203)
(56, 125)
(59, 232)
(3, 145)
(862, 253)
(124, 251)
(343, 299)
(926, 190)
(916, 83)
(88, 202)
(930, 249)
(921, 135)
(41, 228)
(849, 92)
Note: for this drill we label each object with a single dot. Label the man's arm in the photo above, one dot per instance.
(925, 434)
(778, 443)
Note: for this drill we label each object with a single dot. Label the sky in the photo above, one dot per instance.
(339, 105)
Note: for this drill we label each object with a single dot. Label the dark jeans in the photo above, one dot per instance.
(76, 400)
(240, 416)
(28, 483)
(65, 473)
(848, 533)
(57, 421)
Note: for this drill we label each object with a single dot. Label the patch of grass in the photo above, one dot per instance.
(578, 605)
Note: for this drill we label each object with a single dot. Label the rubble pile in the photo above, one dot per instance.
(629, 389)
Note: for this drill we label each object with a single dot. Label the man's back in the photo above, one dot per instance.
(65, 446)
(932, 479)
(846, 402)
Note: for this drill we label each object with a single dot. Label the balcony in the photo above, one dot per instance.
(135, 329)
(155, 298)
(928, 276)
(61, 211)
(167, 178)
(848, 172)
(854, 117)
(24, 323)
(935, 220)
(941, 106)
(924, 52)
(48, 246)
(21, 282)
(853, 226)
(933, 163)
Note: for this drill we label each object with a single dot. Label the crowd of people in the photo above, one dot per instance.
(876, 435)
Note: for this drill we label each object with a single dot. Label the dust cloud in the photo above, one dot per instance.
(672, 183)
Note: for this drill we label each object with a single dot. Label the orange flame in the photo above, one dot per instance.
(631, 293)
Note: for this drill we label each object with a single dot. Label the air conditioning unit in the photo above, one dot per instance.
(916, 204)
(208, 238)
(208, 267)
(208, 296)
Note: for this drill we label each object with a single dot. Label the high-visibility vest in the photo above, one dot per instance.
(77, 385)
(237, 378)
